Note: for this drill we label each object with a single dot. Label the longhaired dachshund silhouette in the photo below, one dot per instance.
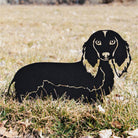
(90, 78)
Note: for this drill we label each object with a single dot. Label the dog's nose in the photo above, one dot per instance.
(106, 54)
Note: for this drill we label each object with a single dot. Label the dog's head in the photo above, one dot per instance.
(107, 45)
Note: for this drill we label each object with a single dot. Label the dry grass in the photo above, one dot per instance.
(56, 33)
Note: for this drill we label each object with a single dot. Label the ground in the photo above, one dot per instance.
(57, 33)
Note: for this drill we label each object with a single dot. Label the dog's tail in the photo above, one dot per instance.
(8, 92)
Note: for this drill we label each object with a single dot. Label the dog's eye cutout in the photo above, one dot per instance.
(98, 42)
(112, 42)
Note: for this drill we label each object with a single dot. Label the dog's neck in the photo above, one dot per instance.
(105, 65)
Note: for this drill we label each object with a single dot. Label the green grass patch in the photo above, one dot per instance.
(67, 118)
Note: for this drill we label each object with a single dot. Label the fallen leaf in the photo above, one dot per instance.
(9, 134)
(133, 133)
(101, 109)
(26, 123)
(1, 124)
(2, 130)
(105, 133)
(116, 124)
(86, 137)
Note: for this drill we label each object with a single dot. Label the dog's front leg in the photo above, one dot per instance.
(99, 80)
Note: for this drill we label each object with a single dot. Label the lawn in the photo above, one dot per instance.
(57, 33)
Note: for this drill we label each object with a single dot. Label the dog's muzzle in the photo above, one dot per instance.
(105, 56)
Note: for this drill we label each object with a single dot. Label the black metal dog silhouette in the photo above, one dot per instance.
(91, 77)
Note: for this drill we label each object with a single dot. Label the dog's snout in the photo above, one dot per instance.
(106, 54)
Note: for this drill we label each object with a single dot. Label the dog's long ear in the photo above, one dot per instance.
(90, 58)
(122, 57)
